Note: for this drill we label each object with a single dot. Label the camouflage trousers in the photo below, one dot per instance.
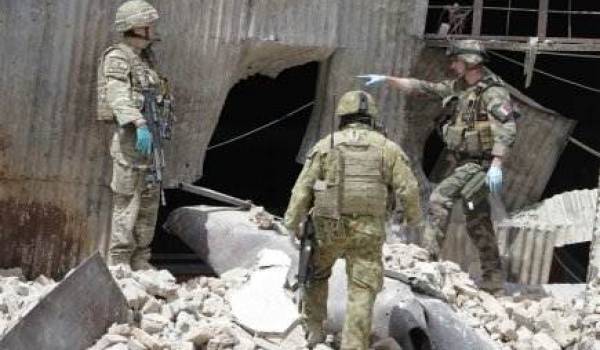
(358, 241)
(478, 217)
(135, 208)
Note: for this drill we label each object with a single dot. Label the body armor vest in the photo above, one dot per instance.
(141, 76)
(354, 179)
(469, 131)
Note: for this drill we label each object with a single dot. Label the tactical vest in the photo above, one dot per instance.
(355, 183)
(469, 132)
(141, 76)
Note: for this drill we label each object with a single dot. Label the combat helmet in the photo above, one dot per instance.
(357, 102)
(469, 51)
(134, 14)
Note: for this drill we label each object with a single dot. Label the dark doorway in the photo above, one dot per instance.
(261, 167)
(570, 263)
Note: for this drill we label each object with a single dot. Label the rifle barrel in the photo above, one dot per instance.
(212, 194)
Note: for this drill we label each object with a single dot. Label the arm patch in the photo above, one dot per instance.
(116, 67)
(503, 111)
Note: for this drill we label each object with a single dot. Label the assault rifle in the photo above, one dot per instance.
(158, 121)
(305, 270)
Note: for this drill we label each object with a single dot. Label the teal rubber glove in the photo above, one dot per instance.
(494, 179)
(143, 140)
(372, 79)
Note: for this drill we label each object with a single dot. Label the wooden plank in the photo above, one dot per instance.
(542, 19)
(477, 16)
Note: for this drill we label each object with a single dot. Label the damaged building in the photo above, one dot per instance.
(255, 83)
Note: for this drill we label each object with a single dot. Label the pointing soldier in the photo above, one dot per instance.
(345, 184)
(125, 72)
(479, 134)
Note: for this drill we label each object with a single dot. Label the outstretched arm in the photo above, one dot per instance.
(410, 85)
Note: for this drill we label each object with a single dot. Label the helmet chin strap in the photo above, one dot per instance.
(145, 36)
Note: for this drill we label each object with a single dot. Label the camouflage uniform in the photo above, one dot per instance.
(481, 127)
(122, 74)
(347, 187)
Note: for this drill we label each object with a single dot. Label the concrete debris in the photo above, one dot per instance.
(519, 321)
(271, 311)
(230, 312)
(260, 217)
(18, 297)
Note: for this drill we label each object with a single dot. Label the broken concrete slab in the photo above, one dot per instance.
(262, 305)
(74, 314)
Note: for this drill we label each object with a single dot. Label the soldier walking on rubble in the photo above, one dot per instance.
(125, 75)
(347, 180)
(478, 134)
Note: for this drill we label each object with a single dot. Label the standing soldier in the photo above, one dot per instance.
(346, 180)
(125, 75)
(478, 135)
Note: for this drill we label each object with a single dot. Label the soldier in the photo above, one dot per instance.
(124, 73)
(346, 180)
(478, 135)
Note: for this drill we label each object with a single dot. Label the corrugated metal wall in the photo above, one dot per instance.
(54, 169)
(54, 203)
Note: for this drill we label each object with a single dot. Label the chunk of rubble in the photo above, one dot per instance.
(271, 310)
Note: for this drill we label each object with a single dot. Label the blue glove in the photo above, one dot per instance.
(144, 140)
(372, 78)
(494, 179)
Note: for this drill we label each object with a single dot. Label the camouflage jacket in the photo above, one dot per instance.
(493, 102)
(397, 175)
(122, 74)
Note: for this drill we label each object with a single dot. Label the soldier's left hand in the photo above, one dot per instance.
(494, 179)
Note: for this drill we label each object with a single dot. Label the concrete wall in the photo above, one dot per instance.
(54, 167)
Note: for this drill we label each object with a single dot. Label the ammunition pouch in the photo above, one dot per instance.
(471, 141)
(475, 189)
(453, 135)
(327, 199)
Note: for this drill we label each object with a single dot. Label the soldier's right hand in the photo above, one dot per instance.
(143, 140)
(372, 79)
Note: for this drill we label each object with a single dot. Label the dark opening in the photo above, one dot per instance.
(261, 167)
(433, 149)
(570, 263)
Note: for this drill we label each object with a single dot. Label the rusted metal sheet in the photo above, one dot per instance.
(74, 315)
(55, 167)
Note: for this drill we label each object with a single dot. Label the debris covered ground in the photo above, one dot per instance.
(197, 314)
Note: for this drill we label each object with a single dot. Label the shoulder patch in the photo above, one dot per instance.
(116, 65)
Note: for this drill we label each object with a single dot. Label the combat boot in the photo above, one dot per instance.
(141, 264)
(492, 282)
(114, 259)
(314, 335)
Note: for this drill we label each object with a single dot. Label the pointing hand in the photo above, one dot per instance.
(372, 79)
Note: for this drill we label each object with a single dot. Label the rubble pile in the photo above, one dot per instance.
(521, 322)
(18, 296)
(165, 315)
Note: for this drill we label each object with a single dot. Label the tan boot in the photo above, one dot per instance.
(314, 334)
(114, 259)
(492, 282)
(141, 264)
